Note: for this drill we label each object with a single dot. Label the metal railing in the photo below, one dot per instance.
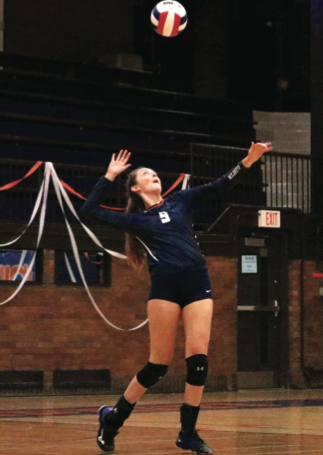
(287, 181)
(276, 181)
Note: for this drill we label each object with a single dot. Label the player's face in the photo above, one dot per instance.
(148, 181)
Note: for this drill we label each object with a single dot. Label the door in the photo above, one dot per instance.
(262, 318)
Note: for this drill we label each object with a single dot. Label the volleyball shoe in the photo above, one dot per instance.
(193, 443)
(106, 433)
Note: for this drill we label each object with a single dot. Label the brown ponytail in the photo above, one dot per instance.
(135, 250)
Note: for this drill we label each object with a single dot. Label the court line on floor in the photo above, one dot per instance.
(166, 408)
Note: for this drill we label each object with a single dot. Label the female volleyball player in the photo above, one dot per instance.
(160, 232)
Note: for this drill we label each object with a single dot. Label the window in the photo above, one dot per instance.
(14, 265)
(96, 268)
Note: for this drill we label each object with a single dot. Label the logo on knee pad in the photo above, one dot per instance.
(197, 366)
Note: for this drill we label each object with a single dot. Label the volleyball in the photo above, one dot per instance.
(169, 18)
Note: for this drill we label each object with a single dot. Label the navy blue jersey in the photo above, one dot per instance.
(166, 229)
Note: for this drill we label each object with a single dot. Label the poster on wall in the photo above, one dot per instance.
(14, 265)
(248, 264)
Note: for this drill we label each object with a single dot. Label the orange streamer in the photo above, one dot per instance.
(31, 171)
(71, 190)
(178, 181)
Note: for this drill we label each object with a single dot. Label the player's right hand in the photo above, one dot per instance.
(118, 164)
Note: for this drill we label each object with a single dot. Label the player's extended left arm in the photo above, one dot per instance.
(231, 177)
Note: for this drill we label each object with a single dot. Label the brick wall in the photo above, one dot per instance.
(313, 322)
(223, 353)
(56, 327)
(48, 327)
(313, 317)
(68, 30)
(296, 377)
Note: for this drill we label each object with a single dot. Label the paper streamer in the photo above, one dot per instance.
(183, 177)
(70, 189)
(62, 191)
(186, 181)
(44, 195)
(59, 189)
(69, 269)
(22, 258)
(34, 213)
(31, 171)
(61, 194)
(177, 182)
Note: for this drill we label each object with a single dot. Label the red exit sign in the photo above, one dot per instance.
(269, 218)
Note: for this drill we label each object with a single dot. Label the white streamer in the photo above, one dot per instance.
(70, 206)
(34, 212)
(69, 269)
(42, 200)
(22, 258)
(58, 189)
(43, 196)
(185, 181)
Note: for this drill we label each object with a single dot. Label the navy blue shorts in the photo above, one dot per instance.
(181, 286)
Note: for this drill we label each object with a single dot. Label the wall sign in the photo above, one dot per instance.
(248, 264)
(269, 218)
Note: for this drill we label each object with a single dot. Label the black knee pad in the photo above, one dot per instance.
(197, 366)
(150, 374)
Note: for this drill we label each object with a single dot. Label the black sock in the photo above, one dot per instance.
(189, 416)
(121, 412)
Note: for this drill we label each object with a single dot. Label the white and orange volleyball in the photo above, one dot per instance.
(169, 18)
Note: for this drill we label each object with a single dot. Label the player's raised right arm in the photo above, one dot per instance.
(92, 207)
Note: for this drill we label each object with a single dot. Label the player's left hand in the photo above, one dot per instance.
(256, 151)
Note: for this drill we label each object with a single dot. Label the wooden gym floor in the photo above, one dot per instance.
(258, 422)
